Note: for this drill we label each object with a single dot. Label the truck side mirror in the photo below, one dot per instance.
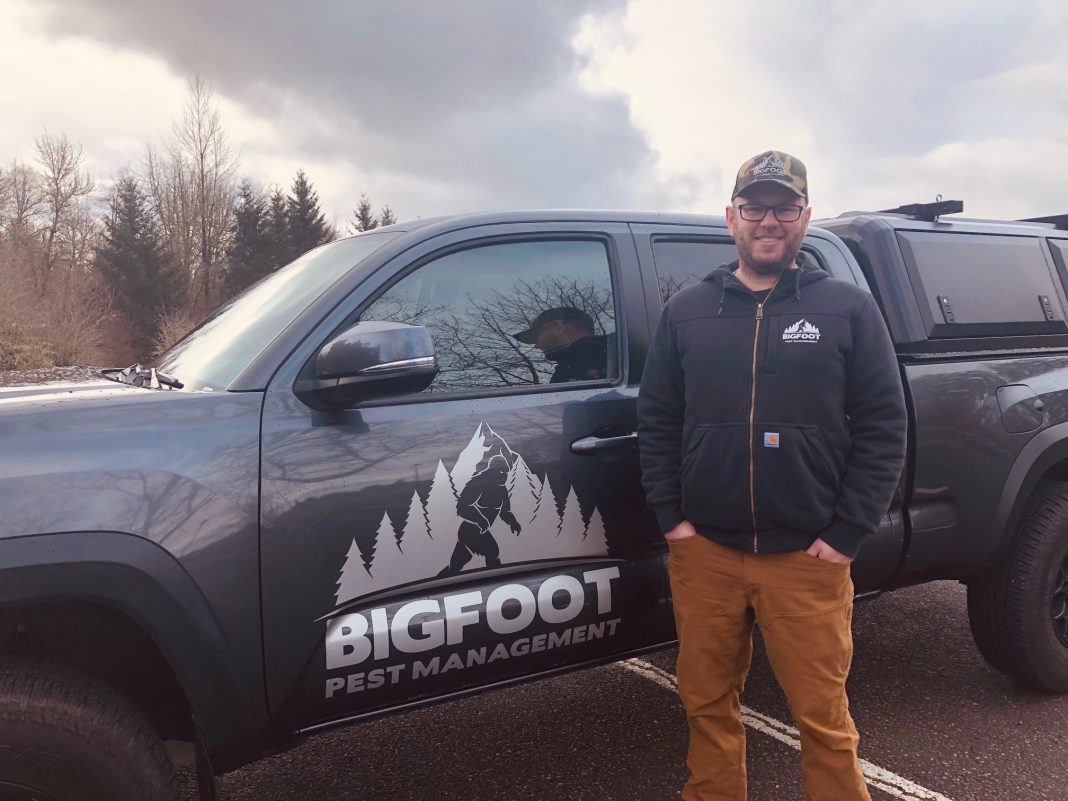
(369, 360)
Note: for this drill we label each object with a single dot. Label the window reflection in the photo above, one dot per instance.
(515, 314)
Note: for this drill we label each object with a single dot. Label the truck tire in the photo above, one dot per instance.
(1019, 610)
(67, 737)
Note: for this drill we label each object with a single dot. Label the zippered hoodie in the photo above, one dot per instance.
(767, 425)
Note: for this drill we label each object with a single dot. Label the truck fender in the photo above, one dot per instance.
(1042, 452)
(142, 581)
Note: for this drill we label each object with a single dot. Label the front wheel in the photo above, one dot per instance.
(67, 737)
(1019, 610)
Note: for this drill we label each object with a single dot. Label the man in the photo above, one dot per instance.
(566, 336)
(771, 425)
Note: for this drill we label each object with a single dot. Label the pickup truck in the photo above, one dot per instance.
(377, 479)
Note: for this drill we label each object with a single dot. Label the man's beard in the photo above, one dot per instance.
(766, 266)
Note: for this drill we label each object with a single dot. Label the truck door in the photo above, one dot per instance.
(489, 528)
(675, 256)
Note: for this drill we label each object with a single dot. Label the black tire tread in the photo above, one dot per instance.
(997, 603)
(82, 709)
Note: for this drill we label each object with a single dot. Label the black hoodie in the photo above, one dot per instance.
(770, 424)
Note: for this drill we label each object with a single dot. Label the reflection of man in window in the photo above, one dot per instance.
(566, 336)
(482, 501)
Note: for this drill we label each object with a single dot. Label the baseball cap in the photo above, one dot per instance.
(528, 336)
(773, 166)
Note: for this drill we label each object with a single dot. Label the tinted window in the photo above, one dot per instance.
(681, 262)
(974, 285)
(555, 294)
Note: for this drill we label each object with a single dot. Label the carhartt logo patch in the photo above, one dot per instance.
(801, 331)
(771, 439)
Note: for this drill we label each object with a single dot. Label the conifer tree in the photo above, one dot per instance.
(305, 220)
(249, 254)
(134, 264)
(363, 217)
(386, 216)
(278, 230)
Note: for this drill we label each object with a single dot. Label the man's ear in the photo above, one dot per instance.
(730, 212)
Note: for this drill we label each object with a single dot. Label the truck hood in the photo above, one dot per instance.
(42, 396)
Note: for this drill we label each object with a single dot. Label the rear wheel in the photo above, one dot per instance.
(1019, 610)
(67, 737)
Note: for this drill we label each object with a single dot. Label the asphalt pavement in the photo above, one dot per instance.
(937, 724)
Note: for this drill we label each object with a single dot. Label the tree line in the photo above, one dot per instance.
(117, 276)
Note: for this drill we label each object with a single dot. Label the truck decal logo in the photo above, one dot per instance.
(490, 509)
(801, 331)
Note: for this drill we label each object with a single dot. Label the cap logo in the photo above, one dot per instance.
(771, 165)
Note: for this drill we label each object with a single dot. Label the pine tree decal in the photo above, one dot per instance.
(594, 542)
(524, 489)
(354, 575)
(416, 530)
(443, 522)
(388, 569)
(571, 524)
(546, 522)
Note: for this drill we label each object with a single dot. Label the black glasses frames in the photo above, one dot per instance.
(755, 212)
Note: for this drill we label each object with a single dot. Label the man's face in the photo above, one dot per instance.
(556, 334)
(768, 246)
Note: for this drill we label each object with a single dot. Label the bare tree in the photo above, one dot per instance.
(64, 187)
(24, 201)
(192, 185)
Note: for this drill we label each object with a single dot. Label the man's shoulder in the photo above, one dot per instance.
(845, 296)
(689, 299)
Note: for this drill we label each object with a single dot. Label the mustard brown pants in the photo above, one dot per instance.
(804, 608)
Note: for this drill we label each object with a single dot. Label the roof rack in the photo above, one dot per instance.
(928, 211)
(1058, 220)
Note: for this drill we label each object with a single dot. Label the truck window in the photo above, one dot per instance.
(681, 262)
(971, 285)
(555, 294)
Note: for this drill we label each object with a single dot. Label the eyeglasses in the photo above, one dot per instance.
(755, 212)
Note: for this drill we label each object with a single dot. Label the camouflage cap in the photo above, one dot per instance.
(773, 166)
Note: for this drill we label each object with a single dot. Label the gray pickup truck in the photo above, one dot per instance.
(385, 476)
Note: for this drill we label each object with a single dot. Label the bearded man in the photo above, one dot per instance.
(771, 425)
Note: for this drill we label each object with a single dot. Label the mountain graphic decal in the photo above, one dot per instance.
(490, 509)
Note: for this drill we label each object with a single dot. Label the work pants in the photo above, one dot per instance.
(804, 607)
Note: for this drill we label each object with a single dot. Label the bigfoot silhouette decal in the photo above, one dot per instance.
(489, 510)
(483, 500)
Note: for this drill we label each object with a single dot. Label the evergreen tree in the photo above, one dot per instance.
(278, 230)
(386, 216)
(306, 223)
(133, 262)
(249, 254)
(363, 217)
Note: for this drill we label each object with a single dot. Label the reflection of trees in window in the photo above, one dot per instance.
(669, 285)
(473, 337)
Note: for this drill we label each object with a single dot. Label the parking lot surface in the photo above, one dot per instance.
(937, 724)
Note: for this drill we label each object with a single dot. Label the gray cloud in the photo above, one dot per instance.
(457, 104)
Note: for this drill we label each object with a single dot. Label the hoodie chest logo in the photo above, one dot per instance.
(801, 331)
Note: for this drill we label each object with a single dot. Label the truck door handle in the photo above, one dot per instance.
(587, 445)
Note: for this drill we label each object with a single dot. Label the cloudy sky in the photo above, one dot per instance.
(440, 106)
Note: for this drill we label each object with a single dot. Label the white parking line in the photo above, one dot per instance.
(880, 778)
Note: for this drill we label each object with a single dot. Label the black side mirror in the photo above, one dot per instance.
(370, 360)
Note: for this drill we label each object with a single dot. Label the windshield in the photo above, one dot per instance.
(215, 352)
